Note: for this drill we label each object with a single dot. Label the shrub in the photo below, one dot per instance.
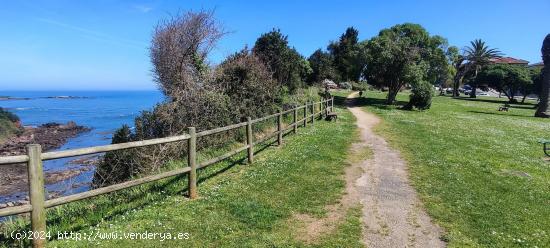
(345, 85)
(248, 84)
(359, 86)
(421, 96)
(4, 114)
(116, 166)
(8, 124)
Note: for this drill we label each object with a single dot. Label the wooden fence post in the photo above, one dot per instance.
(321, 109)
(192, 162)
(280, 128)
(332, 104)
(36, 195)
(312, 112)
(305, 114)
(295, 119)
(249, 141)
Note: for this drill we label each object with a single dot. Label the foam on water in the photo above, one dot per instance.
(102, 111)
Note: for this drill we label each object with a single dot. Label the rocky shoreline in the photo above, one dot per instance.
(13, 177)
(50, 136)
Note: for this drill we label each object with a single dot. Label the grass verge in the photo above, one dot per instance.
(239, 205)
(480, 173)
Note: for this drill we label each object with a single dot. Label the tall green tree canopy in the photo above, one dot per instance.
(321, 63)
(507, 79)
(404, 53)
(477, 56)
(349, 58)
(289, 68)
(544, 104)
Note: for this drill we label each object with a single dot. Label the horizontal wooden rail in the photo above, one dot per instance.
(265, 118)
(116, 187)
(113, 147)
(222, 157)
(14, 159)
(35, 157)
(221, 129)
(15, 210)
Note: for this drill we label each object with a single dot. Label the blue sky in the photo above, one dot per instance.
(103, 44)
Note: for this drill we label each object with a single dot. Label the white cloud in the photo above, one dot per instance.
(142, 8)
(95, 35)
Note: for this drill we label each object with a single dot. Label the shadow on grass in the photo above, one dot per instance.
(94, 212)
(518, 105)
(341, 101)
(498, 113)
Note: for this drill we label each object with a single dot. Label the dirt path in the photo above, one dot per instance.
(392, 213)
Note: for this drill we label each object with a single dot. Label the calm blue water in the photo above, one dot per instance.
(102, 111)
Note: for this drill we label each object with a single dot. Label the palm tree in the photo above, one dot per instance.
(479, 55)
(542, 110)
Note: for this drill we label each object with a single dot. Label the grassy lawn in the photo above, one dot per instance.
(481, 173)
(239, 206)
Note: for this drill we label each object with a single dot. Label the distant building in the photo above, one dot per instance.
(510, 61)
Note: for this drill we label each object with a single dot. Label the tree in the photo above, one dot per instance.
(399, 55)
(322, 67)
(348, 57)
(438, 69)
(478, 55)
(507, 79)
(453, 66)
(542, 110)
(536, 77)
(179, 49)
(289, 68)
(248, 83)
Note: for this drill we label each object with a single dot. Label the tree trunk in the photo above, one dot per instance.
(456, 84)
(542, 110)
(473, 93)
(392, 93)
(474, 87)
(512, 97)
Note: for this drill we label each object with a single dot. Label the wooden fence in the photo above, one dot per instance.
(34, 157)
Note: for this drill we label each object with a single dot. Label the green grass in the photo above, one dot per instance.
(480, 173)
(239, 206)
(7, 129)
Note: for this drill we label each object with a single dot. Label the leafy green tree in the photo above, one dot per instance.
(322, 66)
(507, 79)
(461, 69)
(438, 69)
(248, 83)
(542, 110)
(289, 68)
(349, 58)
(478, 55)
(402, 54)
(536, 77)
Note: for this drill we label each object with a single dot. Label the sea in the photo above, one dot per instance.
(102, 111)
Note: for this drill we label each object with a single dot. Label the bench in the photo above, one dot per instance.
(545, 147)
(332, 116)
(504, 107)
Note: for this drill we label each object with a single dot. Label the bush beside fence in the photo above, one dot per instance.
(34, 157)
